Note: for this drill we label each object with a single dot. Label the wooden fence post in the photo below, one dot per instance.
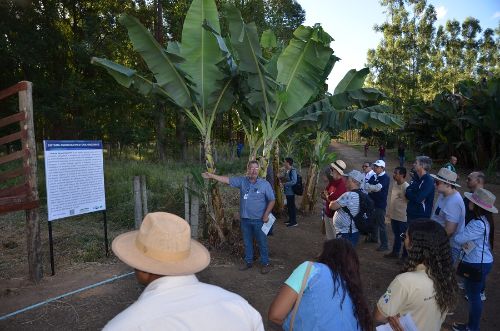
(32, 215)
(144, 195)
(137, 202)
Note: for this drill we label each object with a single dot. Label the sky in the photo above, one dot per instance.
(350, 23)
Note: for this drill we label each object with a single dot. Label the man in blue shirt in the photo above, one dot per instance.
(378, 189)
(256, 203)
(290, 196)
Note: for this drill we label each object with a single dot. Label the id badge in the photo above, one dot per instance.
(245, 196)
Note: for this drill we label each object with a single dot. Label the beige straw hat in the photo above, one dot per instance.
(446, 176)
(338, 165)
(162, 246)
(483, 198)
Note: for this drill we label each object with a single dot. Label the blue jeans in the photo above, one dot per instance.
(473, 290)
(251, 229)
(352, 237)
(401, 161)
(398, 227)
(292, 210)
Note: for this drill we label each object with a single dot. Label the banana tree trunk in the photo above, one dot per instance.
(278, 205)
(308, 200)
(217, 226)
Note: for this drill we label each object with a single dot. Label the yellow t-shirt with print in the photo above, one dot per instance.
(413, 292)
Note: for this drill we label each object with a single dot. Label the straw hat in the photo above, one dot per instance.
(339, 165)
(483, 198)
(446, 176)
(162, 246)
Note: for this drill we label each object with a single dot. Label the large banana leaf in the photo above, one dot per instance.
(260, 87)
(162, 65)
(300, 68)
(352, 80)
(201, 51)
(129, 78)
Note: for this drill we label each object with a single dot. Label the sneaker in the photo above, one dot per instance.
(461, 285)
(460, 327)
(292, 225)
(391, 255)
(265, 269)
(483, 296)
(245, 266)
(382, 249)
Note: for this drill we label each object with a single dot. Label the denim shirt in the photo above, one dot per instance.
(474, 232)
(320, 308)
(254, 197)
(287, 187)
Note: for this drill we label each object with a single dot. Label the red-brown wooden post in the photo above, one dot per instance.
(35, 271)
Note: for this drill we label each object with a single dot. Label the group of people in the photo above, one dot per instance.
(466, 223)
(325, 293)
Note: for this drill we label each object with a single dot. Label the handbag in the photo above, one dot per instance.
(469, 272)
(302, 288)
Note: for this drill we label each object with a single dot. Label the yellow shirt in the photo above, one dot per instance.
(413, 292)
(397, 207)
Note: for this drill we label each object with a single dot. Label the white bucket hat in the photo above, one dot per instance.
(483, 198)
(446, 176)
(162, 246)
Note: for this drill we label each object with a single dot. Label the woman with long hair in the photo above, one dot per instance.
(477, 242)
(427, 288)
(332, 293)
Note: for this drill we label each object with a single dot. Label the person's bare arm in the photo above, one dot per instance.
(282, 305)
(270, 206)
(334, 205)
(450, 228)
(393, 321)
(222, 179)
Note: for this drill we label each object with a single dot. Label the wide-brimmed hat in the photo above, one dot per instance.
(483, 198)
(338, 165)
(446, 176)
(356, 175)
(162, 246)
(379, 163)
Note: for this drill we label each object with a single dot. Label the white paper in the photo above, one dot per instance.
(406, 322)
(74, 177)
(266, 227)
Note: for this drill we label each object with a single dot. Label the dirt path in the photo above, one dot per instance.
(91, 309)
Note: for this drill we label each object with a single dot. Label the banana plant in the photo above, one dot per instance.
(196, 74)
(274, 90)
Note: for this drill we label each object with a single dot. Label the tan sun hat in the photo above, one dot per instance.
(162, 246)
(339, 165)
(483, 198)
(446, 176)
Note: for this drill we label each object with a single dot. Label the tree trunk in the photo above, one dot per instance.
(308, 200)
(160, 132)
(217, 228)
(278, 206)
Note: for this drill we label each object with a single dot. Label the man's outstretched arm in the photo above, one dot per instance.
(222, 179)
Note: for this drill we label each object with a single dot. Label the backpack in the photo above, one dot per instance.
(298, 187)
(364, 220)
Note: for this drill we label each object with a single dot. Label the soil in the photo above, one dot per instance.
(91, 309)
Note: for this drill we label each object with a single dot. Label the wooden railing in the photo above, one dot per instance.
(22, 194)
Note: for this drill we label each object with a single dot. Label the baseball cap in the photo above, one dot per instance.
(379, 163)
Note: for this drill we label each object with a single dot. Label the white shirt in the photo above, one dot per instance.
(183, 303)
(367, 178)
(452, 209)
(341, 220)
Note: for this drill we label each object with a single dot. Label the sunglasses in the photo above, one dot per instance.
(403, 235)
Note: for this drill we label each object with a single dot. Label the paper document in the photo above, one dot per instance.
(267, 226)
(406, 322)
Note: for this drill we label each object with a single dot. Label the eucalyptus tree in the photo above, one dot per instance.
(194, 74)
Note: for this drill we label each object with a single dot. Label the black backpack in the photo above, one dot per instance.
(364, 220)
(298, 187)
